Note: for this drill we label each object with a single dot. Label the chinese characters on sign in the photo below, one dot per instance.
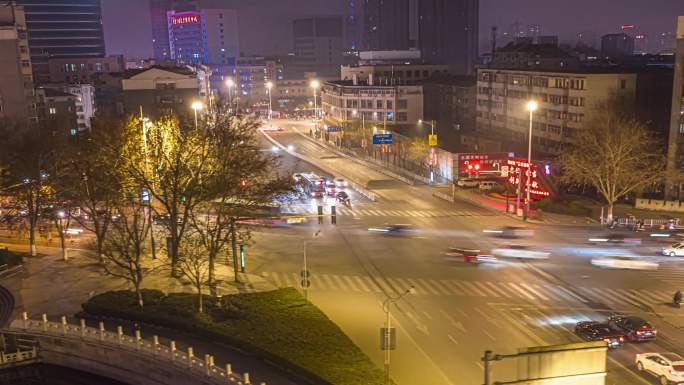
(186, 20)
(516, 168)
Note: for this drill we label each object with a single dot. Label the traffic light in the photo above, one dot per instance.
(477, 167)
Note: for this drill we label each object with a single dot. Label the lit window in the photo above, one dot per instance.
(53, 110)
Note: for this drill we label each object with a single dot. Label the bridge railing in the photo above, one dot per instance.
(136, 344)
(18, 357)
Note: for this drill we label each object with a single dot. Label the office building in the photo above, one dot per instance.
(565, 99)
(448, 33)
(450, 103)
(616, 45)
(57, 109)
(390, 25)
(353, 25)
(83, 70)
(62, 29)
(160, 29)
(524, 53)
(318, 46)
(675, 142)
(394, 74)
(160, 91)
(640, 44)
(17, 98)
(251, 75)
(83, 100)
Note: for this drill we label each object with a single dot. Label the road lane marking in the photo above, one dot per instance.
(427, 315)
(441, 287)
(488, 335)
(521, 291)
(453, 287)
(524, 329)
(485, 288)
(351, 283)
(329, 281)
(535, 292)
(434, 289)
(473, 288)
(581, 299)
(498, 289)
(643, 380)
(555, 290)
(361, 284)
(463, 314)
(452, 339)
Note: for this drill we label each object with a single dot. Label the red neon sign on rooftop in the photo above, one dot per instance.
(185, 19)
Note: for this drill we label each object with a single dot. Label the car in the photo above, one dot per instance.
(393, 229)
(516, 232)
(342, 196)
(467, 183)
(519, 252)
(621, 262)
(599, 331)
(487, 185)
(615, 239)
(340, 182)
(676, 250)
(668, 367)
(469, 255)
(635, 329)
(271, 128)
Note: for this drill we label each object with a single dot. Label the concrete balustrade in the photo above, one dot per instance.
(116, 355)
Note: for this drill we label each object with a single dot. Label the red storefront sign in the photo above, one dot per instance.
(518, 168)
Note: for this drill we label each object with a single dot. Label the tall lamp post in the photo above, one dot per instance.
(432, 133)
(386, 307)
(196, 106)
(269, 86)
(315, 84)
(531, 107)
(230, 83)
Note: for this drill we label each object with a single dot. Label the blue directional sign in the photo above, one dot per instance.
(333, 129)
(145, 196)
(382, 139)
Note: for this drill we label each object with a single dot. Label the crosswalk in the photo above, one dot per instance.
(670, 273)
(530, 292)
(368, 212)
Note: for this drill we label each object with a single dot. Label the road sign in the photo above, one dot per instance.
(382, 139)
(333, 129)
(305, 283)
(388, 341)
(305, 274)
(145, 196)
(504, 171)
(432, 140)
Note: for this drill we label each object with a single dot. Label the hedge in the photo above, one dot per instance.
(277, 325)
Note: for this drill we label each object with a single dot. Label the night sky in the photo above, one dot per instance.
(265, 24)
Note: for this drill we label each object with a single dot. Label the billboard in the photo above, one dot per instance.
(581, 363)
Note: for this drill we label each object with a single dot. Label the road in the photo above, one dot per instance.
(458, 310)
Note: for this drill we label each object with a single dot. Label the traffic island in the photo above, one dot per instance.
(279, 326)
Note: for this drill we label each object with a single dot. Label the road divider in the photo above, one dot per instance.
(353, 184)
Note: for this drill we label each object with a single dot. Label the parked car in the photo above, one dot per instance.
(467, 183)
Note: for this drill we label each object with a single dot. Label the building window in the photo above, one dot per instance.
(379, 104)
(402, 104)
(25, 63)
(402, 116)
(623, 84)
(389, 104)
(52, 110)
(83, 66)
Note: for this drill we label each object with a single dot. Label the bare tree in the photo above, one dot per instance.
(61, 218)
(124, 245)
(193, 264)
(614, 153)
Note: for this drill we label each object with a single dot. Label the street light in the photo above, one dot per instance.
(196, 106)
(269, 85)
(386, 307)
(230, 83)
(315, 84)
(305, 271)
(531, 107)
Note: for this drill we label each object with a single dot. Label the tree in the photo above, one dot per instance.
(123, 248)
(614, 153)
(169, 159)
(27, 152)
(61, 218)
(193, 264)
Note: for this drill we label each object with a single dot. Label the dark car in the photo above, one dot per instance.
(393, 229)
(597, 331)
(342, 197)
(516, 232)
(633, 328)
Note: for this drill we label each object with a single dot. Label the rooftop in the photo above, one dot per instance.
(178, 70)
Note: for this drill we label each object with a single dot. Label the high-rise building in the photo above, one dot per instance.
(449, 33)
(675, 142)
(353, 25)
(17, 98)
(387, 25)
(667, 43)
(62, 29)
(640, 44)
(318, 45)
(616, 45)
(160, 29)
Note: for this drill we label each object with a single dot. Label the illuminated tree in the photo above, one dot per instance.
(193, 264)
(614, 153)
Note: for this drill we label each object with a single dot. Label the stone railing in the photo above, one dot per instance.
(94, 346)
(18, 358)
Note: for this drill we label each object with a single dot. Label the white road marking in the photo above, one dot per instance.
(488, 335)
(452, 339)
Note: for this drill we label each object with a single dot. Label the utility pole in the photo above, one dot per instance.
(233, 243)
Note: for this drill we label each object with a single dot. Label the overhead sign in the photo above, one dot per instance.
(432, 140)
(382, 139)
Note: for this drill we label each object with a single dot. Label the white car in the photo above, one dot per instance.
(467, 183)
(676, 250)
(668, 367)
(340, 182)
(520, 252)
(624, 263)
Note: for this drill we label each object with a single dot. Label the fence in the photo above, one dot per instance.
(136, 345)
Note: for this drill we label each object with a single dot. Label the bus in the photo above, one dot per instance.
(312, 184)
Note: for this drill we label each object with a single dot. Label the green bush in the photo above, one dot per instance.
(574, 207)
(278, 325)
(10, 258)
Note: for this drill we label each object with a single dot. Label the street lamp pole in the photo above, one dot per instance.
(196, 106)
(531, 107)
(386, 306)
(269, 85)
(315, 84)
(145, 124)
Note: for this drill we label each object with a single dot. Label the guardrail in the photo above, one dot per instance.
(17, 358)
(169, 355)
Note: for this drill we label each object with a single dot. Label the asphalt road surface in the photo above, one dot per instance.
(459, 310)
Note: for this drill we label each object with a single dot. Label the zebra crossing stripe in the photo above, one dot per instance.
(418, 287)
(494, 287)
(328, 282)
(619, 297)
(570, 293)
(440, 290)
(464, 289)
(286, 280)
(395, 213)
(276, 278)
(555, 290)
(665, 297)
(521, 291)
(535, 292)
(351, 283)
(361, 284)
(636, 298)
(648, 297)
(485, 288)
(452, 286)
(384, 286)
(474, 288)
(338, 281)
(442, 287)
